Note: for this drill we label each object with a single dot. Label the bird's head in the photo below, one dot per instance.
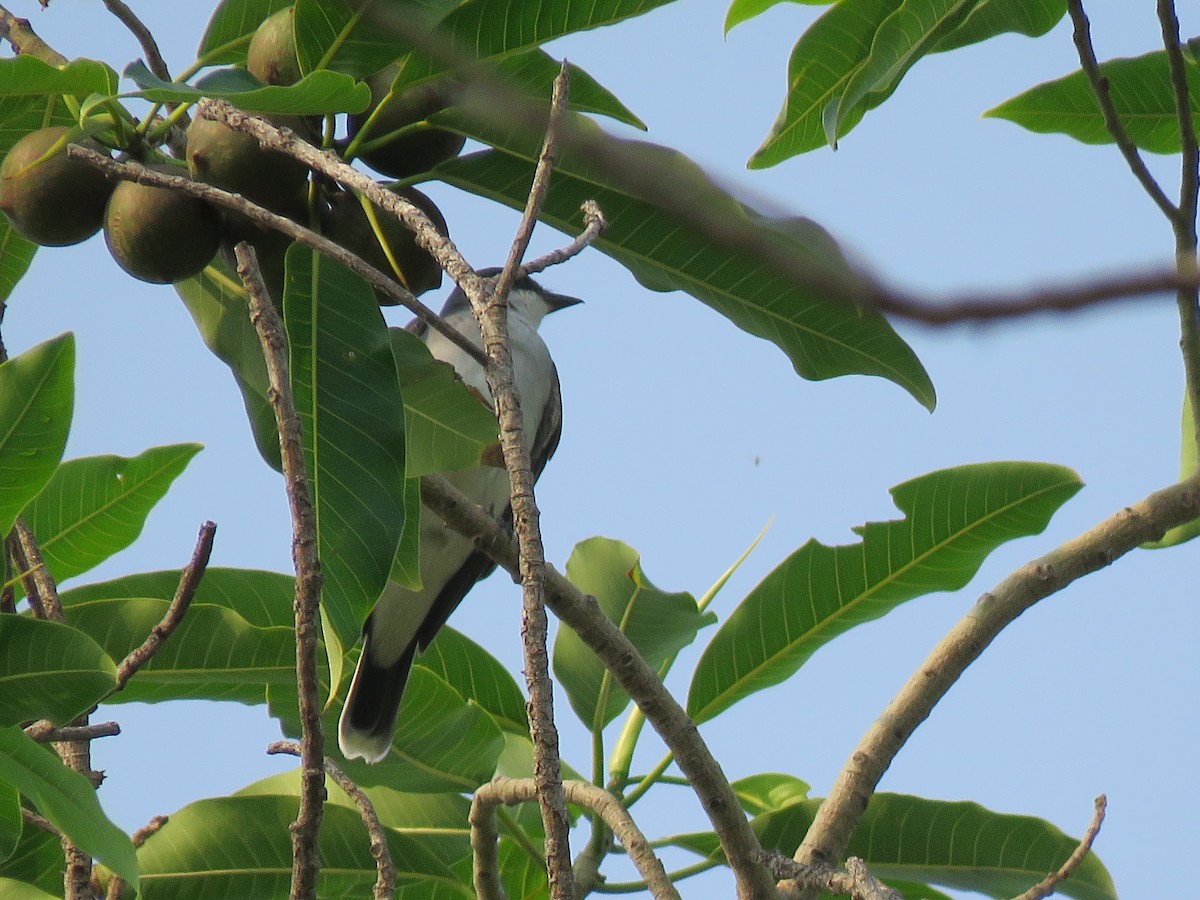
(527, 299)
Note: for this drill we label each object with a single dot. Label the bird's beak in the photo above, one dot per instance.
(560, 301)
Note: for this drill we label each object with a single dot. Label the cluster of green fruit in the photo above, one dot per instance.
(162, 235)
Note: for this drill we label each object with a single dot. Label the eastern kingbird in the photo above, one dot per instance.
(404, 621)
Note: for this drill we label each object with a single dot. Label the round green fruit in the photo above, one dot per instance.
(52, 200)
(348, 225)
(421, 146)
(271, 57)
(233, 161)
(160, 235)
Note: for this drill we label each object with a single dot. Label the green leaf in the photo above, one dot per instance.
(823, 333)
(16, 253)
(1187, 466)
(348, 399)
(216, 301)
(65, 798)
(331, 34)
(264, 599)
(37, 398)
(37, 861)
(232, 26)
(213, 654)
(990, 18)
(406, 565)
(477, 676)
(743, 10)
(532, 75)
(241, 847)
(659, 624)
(94, 507)
(10, 821)
(318, 93)
(447, 426)
(27, 76)
(443, 743)
(953, 519)
(19, 890)
(1141, 93)
(768, 792)
(49, 671)
(955, 845)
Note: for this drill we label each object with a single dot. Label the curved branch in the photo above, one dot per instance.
(1095, 549)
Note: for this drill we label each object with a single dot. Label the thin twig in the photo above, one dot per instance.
(1112, 121)
(511, 791)
(189, 582)
(127, 17)
(385, 879)
(1143, 522)
(1047, 885)
(133, 172)
(594, 224)
(491, 310)
(857, 881)
(116, 884)
(614, 649)
(306, 862)
(45, 731)
(1184, 224)
(32, 818)
(25, 42)
(35, 574)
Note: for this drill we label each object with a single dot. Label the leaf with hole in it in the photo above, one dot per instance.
(953, 519)
(216, 301)
(65, 798)
(1141, 93)
(241, 847)
(352, 417)
(749, 269)
(657, 623)
(95, 507)
(49, 671)
(447, 426)
(37, 400)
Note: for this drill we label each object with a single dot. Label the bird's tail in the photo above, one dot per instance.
(369, 717)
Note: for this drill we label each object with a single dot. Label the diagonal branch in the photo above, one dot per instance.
(306, 863)
(1144, 521)
(128, 18)
(1050, 883)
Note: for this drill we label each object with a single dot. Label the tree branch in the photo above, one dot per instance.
(236, 202)
(116, 884)
(189, 581)
(491, 310)
(1097, 548)
(127, 17)
(594, 224)
(25, 42)
(306, 862)
(385, 881)
(619, 656)
(45, 732)
(856, 881)
(511, 791)
(1047, 885)
(35, 576)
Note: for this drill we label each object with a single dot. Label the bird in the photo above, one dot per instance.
(404, 622)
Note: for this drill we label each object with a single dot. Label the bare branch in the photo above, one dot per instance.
(1143, 522)
(127, 17)
(594, 224)
(856, 881)
(189, 581)
(35, 576)
(45, 732)
(1112, 121)
(25, 42)
(582, 614)
(236, 202)
(511, 791)
(1050, 883)
(385, 880)
(306, 862)
(491, 310)
(32, 818)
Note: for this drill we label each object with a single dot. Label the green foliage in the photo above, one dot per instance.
(27, 76)
(37, 398)
(953, 519)
(347, 397)
(1140, 89)
(478, 677)
(10, 821)
(49, 671)
(66, 799)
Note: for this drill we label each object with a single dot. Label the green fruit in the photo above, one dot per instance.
(54, 201)
(233, 161)
(348, 225)
(272, 55)
(160, 235)
(416, 150)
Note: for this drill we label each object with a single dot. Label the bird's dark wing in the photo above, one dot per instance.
(479, 565)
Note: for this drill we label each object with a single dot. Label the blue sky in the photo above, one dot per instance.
(684, 436)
